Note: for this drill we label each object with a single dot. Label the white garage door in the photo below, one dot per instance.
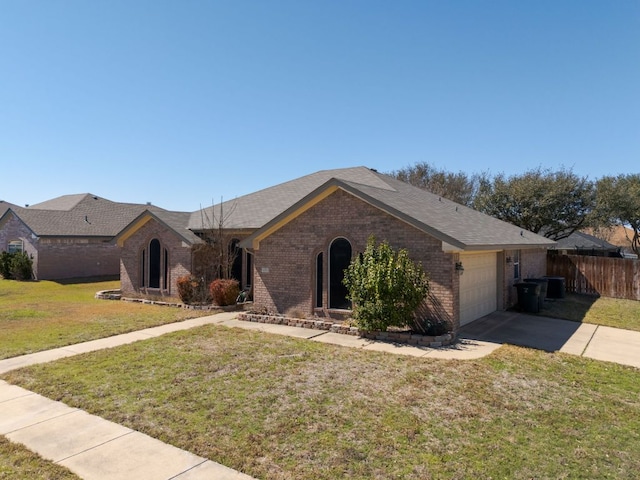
(478, 286)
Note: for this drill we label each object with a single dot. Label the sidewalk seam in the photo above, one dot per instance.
(204, 460)
(73, 410)
(589, 341)
(96, 446)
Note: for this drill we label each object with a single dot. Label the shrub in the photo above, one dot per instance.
(385, 287)
(5, 265)
(224, 291)
(22, 266)
(191, 290)
(17, 266)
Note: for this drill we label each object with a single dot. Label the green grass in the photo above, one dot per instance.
(18, 463)
(282, 408)
(610, 312)
(37, 316)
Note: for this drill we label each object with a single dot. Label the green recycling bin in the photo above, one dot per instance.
(528, 297)
(543, 289)
(556, 287)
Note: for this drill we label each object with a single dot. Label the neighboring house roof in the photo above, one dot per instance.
(64, 202)
(459, 227)
(84, 215)
(4, 206)
(580, 240)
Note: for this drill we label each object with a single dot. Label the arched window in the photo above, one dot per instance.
(319, 279)
(235, 255)
(339, 260)
(154, 263)
(154, 266)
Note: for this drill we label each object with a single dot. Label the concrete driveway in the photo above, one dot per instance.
(553, 335)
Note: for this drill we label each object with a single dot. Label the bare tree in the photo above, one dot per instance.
(216, 255)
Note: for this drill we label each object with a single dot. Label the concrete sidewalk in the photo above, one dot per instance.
(90, 446)
(95, 448)
(554, 335)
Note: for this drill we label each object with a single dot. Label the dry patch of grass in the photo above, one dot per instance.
(18, 463)
(282, 408)
(610, 312)
(36, 316)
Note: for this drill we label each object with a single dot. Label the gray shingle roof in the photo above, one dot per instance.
(256, 209)
(454, 224)
(176, 221)
(83, 215)
(4, 206)
(64, 202)
(583, 240)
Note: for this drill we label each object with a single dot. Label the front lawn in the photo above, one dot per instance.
(282, 408)
(18, 463)
(37, 316)
(610, 312)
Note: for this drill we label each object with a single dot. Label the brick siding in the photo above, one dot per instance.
(179, 259)
(284, 265)
(533, 264)
(59, 258)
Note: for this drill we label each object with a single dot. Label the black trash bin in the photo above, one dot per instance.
(556, 287)
(543, 282)
(528, 297)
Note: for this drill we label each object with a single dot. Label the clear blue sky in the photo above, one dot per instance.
(184, 102)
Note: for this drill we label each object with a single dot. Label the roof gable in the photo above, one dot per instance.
(458, 227)
(254, 210)
(174, 221)
(4, 206)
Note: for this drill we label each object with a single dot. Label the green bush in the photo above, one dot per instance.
(386, 287)
(192, 290)
(224, 292)
(5, 265)
(16, 266)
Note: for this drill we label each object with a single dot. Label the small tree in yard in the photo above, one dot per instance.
(386, 287)
(212, 259)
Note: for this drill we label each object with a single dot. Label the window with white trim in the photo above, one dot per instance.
(15, 246)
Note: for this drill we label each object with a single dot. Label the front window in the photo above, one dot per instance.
(235, 257)
(339, 260)
(154, 266)
(319, 279)
(15, 246)
(516, 264)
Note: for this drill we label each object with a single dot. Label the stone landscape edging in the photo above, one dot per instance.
(318, 324)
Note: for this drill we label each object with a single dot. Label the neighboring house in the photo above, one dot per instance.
(581, 243)
(297, 238)
(69, 236)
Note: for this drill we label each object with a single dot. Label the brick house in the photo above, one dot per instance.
(69, 236)
(296, 238)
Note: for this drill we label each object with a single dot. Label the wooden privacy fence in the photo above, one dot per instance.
(608, 277)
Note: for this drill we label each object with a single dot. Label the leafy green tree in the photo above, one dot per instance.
(386, 287)
(458, 187)
(618, 202)
(553, 204)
